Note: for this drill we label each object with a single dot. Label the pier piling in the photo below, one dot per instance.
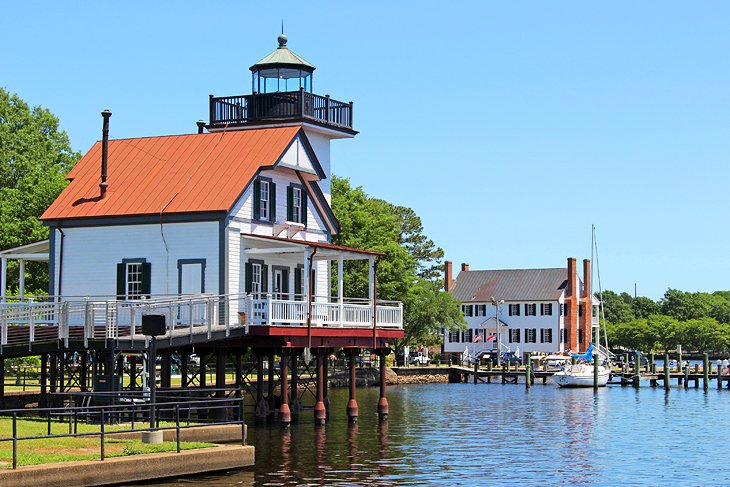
(705, 371)
(383, 401)
(284, 410)
(352, 411)
(667, 383)
(320, 412)
(527, 374)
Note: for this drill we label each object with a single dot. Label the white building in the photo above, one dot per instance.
(540, 310)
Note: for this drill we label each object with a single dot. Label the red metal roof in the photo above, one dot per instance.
(171, 174)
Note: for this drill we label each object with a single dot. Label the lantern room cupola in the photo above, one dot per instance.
(281, 94)
(282, 70)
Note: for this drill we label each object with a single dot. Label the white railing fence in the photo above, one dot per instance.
(92, 318)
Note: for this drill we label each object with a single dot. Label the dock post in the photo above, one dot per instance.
(504, 374)
(270, 383)
(326, 382)
(719, 374)
(527, 374)
(595, 371)
(383, 401)
(295, 406)
(476, 371)
(262, 407)
(652, 363)
(320, 412)
(705, 371)
(284, 410)
(686, 377)
(637, 369)
(667, 383)
(352, 412)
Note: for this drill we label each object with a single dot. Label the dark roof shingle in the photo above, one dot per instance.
(510, 285)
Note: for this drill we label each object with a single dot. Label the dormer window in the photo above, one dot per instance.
(264, 200)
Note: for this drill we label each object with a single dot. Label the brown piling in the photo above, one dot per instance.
(383, 401)
(352, 411)
(284, 410)
(320, 412)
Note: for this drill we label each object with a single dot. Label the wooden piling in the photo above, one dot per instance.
(476, 371)
(595, 372)
(686, 377)
(637, 369)
(667, 383)
(719, 375)
(705, 371)
(652, 363)
(527, 374)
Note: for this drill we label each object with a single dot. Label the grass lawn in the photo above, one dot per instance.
(52, 450)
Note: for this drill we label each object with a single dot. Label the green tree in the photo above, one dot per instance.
(704, 335)
(688, 306)
(642, 307)
(35, 157)
(615, 307)
(406, 271)
(663, 332)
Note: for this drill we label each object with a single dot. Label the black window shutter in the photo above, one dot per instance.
(248, 271)
(298, 282)
(121, 281)
(510, 310)
(272, 202)
(289, 203)
(256, 199)
(264, 278)
(304, 208)
(146, 279)
(542, 335)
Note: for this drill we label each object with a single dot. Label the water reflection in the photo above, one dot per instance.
(494, 434)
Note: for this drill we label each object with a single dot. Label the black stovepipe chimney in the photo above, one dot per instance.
(104, 150)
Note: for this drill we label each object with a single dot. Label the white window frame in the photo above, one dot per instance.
(530, 309)
(296, 204)
(256, 278)
(133, 280)
(265, 200)
(546, 307)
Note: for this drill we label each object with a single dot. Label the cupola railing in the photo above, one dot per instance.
(285, 106)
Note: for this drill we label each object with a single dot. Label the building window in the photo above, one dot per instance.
(264, 200)
(546, 309)
(514, 310)
(133, 279)
(257, 279)
(564, 335)
(580, 336)
(481, 310)
(580, 310)
(531, 335)
(467, 310)
(595, 311)
(514, 335)
(296, 204)
(453, 337)
(531, 309)
(546, 335)
(468, 334)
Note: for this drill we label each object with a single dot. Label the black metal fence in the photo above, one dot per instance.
(185, 409)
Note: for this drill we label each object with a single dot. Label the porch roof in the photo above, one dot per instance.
(33, 251)
(270, 244)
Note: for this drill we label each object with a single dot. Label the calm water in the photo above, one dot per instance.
(494, 434)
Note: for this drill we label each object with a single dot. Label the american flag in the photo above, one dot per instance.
(491, 337)
(477, 337)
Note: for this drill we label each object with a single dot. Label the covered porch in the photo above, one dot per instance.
(36, 251)
(270, 302)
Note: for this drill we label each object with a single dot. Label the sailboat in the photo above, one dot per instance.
(585, 373)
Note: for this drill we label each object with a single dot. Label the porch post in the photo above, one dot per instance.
(3, 278)
(308, 292)
(340, 286)
(21, 285)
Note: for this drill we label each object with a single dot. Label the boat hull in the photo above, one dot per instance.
(581, 376)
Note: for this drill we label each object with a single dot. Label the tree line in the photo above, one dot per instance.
(697, 321)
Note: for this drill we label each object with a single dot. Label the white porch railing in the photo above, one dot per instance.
(30, 321)
(351, 313)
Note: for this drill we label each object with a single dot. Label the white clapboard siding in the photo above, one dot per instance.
(90, 255)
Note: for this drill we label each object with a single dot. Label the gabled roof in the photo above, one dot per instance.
(510, 285)
(172, 174)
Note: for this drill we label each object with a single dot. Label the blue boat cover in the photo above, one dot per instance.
(587, 355)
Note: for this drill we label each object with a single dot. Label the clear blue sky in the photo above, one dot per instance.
(508, 127)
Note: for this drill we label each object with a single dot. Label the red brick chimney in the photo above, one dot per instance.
(570, 320)
(585, 322)
(448, 273)
(464, 267)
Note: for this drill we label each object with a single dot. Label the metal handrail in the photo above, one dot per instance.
(107, 413)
